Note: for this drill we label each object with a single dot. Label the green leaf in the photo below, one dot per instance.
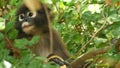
(13, 34)
(2, 44)
(9, 26)
(3, 3)
(55, 1)
(1, 36)
(21, 43)
(12, 12)
(2, 65)
(46, 1)
(12, 2)
(34, 40)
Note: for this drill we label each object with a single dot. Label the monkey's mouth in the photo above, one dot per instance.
(27, 28)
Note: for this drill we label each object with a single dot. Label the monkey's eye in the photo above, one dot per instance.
(21, 17)
(31, 14)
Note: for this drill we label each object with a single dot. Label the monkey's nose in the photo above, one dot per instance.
(26, 20)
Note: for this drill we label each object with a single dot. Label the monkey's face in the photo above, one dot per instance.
(29, 22)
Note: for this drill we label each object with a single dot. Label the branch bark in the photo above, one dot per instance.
(78, 63)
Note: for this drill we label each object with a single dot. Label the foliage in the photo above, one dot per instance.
(83, 24)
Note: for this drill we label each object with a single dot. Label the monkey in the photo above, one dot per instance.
(30, 23)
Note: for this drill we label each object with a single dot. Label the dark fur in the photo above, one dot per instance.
(41, 23)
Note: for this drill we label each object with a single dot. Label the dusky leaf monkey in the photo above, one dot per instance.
(32, 20)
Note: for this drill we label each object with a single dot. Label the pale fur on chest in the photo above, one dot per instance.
(42, 48)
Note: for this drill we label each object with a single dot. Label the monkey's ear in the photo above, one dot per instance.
(32, 5)
(58, 60)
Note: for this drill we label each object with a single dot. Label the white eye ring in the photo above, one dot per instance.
(21, 17)
(31, 14)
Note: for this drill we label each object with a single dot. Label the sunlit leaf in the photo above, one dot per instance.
(2, 23)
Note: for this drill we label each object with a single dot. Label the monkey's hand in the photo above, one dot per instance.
(58, 60)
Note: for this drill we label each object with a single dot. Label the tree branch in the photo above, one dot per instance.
(78, 63)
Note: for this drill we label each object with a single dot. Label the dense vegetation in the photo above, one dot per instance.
(85, 25)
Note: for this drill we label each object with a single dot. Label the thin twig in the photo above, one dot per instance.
(94, 35)
(10, 45)
(50, 30)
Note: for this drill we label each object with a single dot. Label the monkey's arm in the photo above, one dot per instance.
(58, 46)
(43, 47)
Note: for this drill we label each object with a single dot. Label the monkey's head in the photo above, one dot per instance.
(29, 22)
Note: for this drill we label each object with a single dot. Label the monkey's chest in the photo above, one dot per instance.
(42, 48)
